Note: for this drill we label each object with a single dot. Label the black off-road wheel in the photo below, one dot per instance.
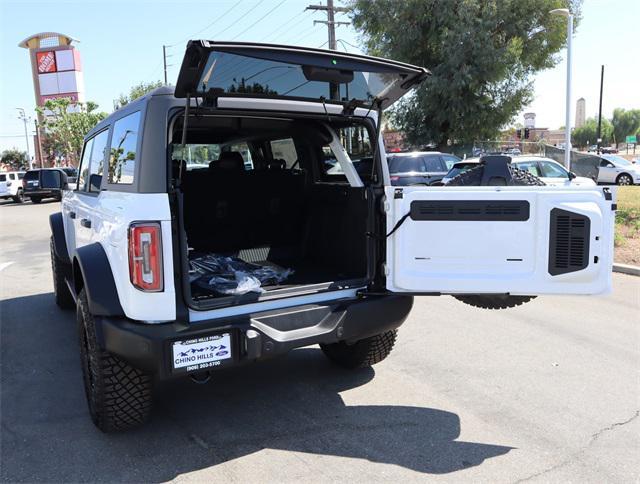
(363, 353)
(59, 269)
(473, 177)
(119, 395)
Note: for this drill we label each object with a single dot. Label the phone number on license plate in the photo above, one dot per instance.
(201, 353)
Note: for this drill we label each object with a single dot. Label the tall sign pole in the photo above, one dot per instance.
(567, 124)
(599, 136)
(164, 60)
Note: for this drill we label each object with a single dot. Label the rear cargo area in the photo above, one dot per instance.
(278, 215)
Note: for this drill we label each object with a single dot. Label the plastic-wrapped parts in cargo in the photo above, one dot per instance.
(233, 276)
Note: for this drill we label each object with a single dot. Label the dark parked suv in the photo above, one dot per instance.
(419, 167)
(45, 183)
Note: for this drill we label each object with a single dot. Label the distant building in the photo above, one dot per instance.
(529, 120)
(580, 112)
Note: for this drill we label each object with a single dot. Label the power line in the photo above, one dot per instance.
(259, 20)
(280, 30)
(192, 36)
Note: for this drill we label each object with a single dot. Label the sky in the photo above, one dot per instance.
(121, 45)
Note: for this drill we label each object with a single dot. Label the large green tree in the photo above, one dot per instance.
(14, 158)
(625, 123)
(482, 54)
(65, 125)
(587, 134)
(135, 92)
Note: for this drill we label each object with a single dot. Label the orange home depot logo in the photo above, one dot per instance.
(46, 61)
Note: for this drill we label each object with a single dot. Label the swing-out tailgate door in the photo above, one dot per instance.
(506, 240)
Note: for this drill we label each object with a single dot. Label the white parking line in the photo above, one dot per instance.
(4, 265)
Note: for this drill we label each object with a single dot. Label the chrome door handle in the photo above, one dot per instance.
(85, 222)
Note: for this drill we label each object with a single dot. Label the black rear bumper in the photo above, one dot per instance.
(255, 336)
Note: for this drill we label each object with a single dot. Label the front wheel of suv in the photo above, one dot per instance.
(119, 395)
(362, 353)
(63, 296)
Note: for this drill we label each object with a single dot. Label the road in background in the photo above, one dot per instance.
(548, 391)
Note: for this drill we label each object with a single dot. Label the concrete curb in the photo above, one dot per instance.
(627, 269)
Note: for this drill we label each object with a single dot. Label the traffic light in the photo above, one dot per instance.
(526, 133)
(518, 133)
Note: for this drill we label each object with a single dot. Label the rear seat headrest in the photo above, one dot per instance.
(229, 160)
(276, 164)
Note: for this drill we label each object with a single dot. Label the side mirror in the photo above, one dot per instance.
(572, 175)
(95, 181)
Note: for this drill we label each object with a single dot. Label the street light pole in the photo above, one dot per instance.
(567, 124)
(23, 117)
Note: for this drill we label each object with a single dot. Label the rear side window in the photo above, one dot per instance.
(3, 177)
(404, 164)
(31, 175)
(12, 176)
(450, 160)
(433, 163)
(123, 155)
(20, 176)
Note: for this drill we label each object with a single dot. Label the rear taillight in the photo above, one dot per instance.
(145, 256)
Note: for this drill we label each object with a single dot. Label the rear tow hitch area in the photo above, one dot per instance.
(201, 378)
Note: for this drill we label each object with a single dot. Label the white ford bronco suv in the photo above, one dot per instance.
(249, 211)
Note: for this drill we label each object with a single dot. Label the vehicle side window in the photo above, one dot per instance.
(96, 162)
(3, 177)
(450, 160)
(606, 164)
(530, 166)
(12, 176)
(433, 163)
(551, 170)
(20, 176)
(284, 149)
(123, 156)
(355, 140)
(83, 170)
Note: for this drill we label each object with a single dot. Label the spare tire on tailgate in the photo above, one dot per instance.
(474, 177)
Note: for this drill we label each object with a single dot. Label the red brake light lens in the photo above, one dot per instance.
(145, 256)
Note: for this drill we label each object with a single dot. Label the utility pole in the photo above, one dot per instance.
(598, 137)
(164, 60)
(38, 148)
(330, 22)
(25, 120)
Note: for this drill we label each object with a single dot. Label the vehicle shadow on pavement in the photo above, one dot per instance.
(291, 403)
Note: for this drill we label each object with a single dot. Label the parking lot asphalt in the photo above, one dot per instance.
(549, 391)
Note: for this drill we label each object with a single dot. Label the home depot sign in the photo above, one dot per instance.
(46, 61)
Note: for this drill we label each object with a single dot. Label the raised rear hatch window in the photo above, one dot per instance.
(218, 68)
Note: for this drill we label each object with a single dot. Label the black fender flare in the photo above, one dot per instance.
(99, 284)
(59, 241)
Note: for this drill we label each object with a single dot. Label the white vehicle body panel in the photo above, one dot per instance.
(512, 257)
(111, 213)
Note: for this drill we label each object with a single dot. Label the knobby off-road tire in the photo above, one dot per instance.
(363, 353)
(63, 296)
(473, 177)
(119, 396)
